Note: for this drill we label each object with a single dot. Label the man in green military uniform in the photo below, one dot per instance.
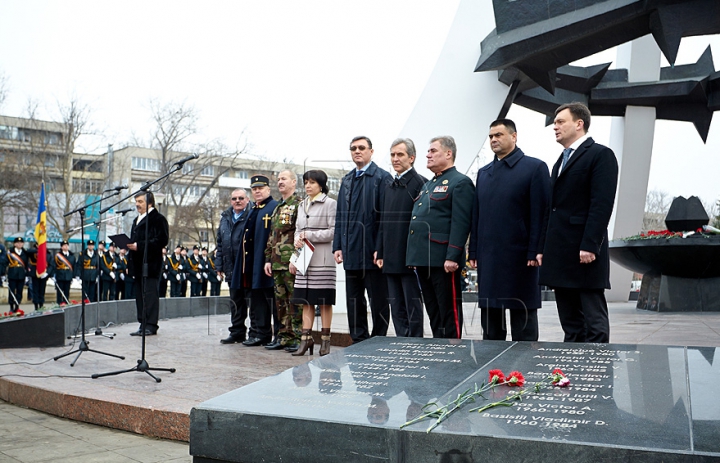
(280, 247)
(439, 228)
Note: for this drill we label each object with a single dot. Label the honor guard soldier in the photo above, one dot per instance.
(164, 275)
(205, 261)
(3, 263)
(39, 282)
(17, 273)
(108, 274)
(213, 277)
(185, 272)
(122, 264)
(64, 270)
(195, 271)
(88, 269)
(176, 272)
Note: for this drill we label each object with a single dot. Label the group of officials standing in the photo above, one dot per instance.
(402, 240)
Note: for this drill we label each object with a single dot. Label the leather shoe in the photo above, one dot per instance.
(252, 342)
(148, 332)
(274, 345)
(232, 340)
(292, 348)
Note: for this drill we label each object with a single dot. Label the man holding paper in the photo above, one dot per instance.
(155, 238)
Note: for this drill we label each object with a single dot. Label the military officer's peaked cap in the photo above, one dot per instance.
(18, 240)
(64, 242)
(259, 180)
(91, 242)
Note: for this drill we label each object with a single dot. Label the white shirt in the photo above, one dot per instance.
(142, 216)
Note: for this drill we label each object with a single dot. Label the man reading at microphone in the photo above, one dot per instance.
(156, 238)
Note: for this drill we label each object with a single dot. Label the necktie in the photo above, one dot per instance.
(358, 173)
(566, 155)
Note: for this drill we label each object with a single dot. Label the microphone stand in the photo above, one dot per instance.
(98, 328)
(83, 347)
(142, 364)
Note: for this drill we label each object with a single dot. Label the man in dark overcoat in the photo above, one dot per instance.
(439, 229)
(511, 195)
(147, 297)
(575, 259)
(229, 241)
(249, 271)
(357, 222)
(403, 288)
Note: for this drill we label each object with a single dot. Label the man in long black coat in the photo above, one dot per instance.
(575, 261)
(511, 196)
(249, 270)
(403, 288)
(155, 239)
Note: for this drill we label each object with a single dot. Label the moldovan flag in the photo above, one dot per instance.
(41, 234)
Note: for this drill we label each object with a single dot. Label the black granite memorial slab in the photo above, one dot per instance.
(342, 407)
(704, 377)
(624, 403)
(620, 396)
(37, 329)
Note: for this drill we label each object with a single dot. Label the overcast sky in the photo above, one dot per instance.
(296, 79)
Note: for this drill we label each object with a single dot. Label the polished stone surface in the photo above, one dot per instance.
(697, 256)
(662, 293)
(625, 401)
(207, 369)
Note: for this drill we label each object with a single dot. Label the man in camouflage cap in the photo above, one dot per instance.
(277, 259)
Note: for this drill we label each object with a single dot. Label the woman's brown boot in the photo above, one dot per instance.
(306, 342)
(325, 344)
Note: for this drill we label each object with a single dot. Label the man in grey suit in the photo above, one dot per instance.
(575, 260)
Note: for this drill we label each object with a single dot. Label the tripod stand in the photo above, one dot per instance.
(141, 240)
(83, 342)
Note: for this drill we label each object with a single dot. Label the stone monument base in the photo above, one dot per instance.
(662, 293)
(638, 403)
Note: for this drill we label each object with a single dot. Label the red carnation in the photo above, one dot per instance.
(20, 312)
(515, 378)
(496, 376)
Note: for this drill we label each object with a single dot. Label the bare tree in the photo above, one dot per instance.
(4, 88)
(175, 123)
(657, 205)
(53, 159)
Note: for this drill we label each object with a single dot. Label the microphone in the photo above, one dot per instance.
(184, 160)
(124, 211)
(117, 188)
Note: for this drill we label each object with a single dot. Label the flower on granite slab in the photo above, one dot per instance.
(515, 378)
(559, 379)
(496, 376)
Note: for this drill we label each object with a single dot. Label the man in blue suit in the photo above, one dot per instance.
(575, 259)
(249, 269)
(511, 195)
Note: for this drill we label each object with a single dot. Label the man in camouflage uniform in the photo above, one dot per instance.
(277, 259)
